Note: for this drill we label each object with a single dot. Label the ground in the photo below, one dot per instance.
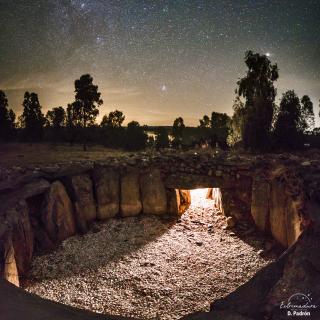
(148, 267)
(23, 154)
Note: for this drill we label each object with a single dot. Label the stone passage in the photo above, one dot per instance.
(41, 208)
(149, 267)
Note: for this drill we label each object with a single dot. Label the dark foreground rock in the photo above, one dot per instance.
(17, 304)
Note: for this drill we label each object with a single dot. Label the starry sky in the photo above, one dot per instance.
(155, 60)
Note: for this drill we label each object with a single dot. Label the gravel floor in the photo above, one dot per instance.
(150, 268)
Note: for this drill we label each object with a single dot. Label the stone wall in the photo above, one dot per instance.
(44, 206)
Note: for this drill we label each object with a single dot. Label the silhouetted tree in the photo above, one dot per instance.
(87, 103)
(220, 123)
(162, 138)
(7, 119)
(237, 122)
(56, 117)
(32, 118)
(135, 137)
(114, 119)
(178, 129)
(204, 122)
(113, 134)
(289, 128)
(56, 120)
(259, 92)
(307, 114)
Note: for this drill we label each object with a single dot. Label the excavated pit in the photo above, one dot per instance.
(150, 267)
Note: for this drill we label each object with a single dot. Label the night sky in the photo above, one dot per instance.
(155, 60)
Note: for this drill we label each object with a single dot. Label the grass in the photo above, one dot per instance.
(22, 154)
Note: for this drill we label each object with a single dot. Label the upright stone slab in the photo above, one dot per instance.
(130, 194)
(57, 213)
(8, 266)
(107, 187)
(173, 200)
(22, 237)
(84, 203)
(278, 209)
(185, 200)
(294, 222)
(153, 193)
(260, 203)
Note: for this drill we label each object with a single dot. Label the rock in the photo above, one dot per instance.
(260, 203)
(185, 200)
(260, 252)
(84, 203)
(268, 246)
(218, 173)
(278, 208)
(173, 200)
(57, 213)
(153, 193)
(209, 193)
(8, 267)
(294, 222)
(107, 187)
(231, 222)
(285, 221)
(130, 204)
(16, 303)
(22, 237)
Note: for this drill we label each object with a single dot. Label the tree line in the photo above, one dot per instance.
(257, 123)
(75, 124)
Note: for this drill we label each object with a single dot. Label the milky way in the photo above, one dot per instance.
(155, 60)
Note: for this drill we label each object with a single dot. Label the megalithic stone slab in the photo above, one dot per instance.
(153, 193)
(57, 213)
(260, 203)
(84, 202)
(8, 266)
(107, 188)
(130, 194)
(22, 237)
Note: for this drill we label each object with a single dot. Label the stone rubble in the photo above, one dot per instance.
(150, 267)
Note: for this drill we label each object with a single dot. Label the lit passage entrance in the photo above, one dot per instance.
(209, 199)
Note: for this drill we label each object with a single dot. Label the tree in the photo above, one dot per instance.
(162, 138)
(289, 125)
(87, 102)
(135, 137)
(114, 119)
(204, 122)
(237, 122)
(7, 119)
(257, 87)
(178, 129)
(113, 134)
(56, 117)
(220, 123)
(32, 118)
(307, 113)
(55, 121)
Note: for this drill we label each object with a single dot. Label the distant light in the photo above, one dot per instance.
(268, 54)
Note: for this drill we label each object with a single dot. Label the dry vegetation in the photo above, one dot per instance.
(22, 154)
